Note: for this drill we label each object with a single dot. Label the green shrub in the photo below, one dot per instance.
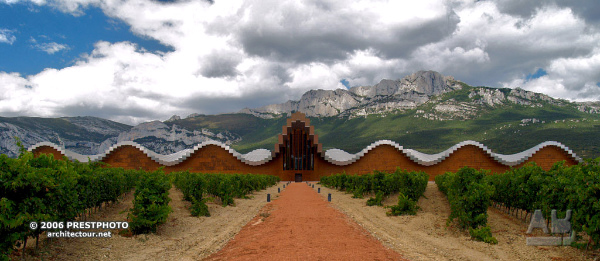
(358, 193)
(405, 206)
(469, 195)
(196, 186)
(442, 182)
(409, 183)
(483, 234)
(199, 208)
(376, 201)
(151, 203)
(412, 184)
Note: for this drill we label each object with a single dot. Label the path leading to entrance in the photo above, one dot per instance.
(300, 225)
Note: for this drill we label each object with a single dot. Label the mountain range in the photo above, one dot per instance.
(425, 111)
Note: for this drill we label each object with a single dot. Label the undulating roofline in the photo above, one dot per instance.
(342, 158)
(335, 156)
(253, 158)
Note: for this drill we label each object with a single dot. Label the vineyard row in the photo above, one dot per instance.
(44, 189)
(196, 187)
(409, 185)
(528, 188)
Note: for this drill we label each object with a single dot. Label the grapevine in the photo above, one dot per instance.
(409, 185)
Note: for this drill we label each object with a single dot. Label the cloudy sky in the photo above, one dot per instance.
(139, 60)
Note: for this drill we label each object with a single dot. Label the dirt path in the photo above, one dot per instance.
(300, 225)
(421, 237)
(426, 237)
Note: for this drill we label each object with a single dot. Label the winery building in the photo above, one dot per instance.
(298, 156)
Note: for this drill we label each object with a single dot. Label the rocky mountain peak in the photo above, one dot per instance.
(173, 118)
(387, 95)
(429, 82)
(423, 82)
(193, 115)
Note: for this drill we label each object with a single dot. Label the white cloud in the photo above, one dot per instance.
(6, 36)
(494, 48)
(569, 78)
(314, 76)
(51, 48)
(74, 7)
(14, 89)
(366, 67)
(249, 53)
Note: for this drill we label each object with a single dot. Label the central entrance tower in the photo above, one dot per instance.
(299, 153)
(298, 144)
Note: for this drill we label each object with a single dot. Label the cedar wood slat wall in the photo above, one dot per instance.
(214, 159)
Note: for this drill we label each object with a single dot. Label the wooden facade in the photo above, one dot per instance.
(298, 155)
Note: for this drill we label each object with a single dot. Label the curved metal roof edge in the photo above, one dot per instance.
(432, 159)
(166, 160)
(248, 158)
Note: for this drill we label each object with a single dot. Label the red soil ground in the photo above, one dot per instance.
(301, 225)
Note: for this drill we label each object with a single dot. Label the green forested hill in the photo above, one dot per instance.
(505, 136)
(505, 128)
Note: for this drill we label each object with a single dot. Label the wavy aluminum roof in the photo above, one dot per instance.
(342, 158)
(334, 156)
(253, 158)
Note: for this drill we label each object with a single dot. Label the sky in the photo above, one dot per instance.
(133, 61)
